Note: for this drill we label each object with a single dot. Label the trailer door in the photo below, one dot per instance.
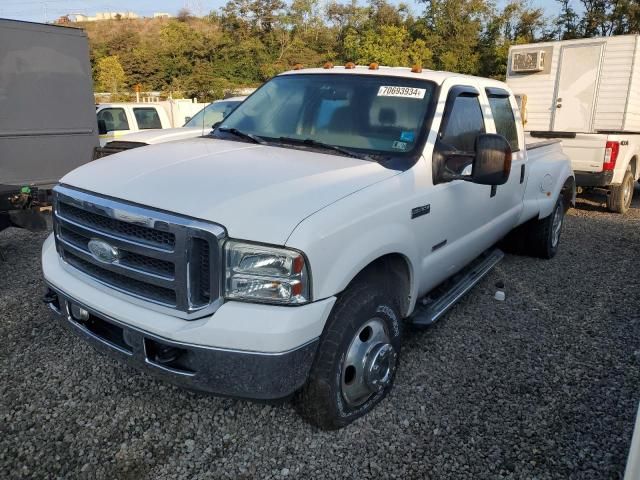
(576, 89)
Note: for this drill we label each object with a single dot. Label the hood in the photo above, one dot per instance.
(256, 192)
(163, 135)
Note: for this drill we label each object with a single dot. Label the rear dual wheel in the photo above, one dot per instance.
(620, 196)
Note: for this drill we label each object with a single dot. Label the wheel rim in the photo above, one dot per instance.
(369, 364)
(626, 192)
(556, 227)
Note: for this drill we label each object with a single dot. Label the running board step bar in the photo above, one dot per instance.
(430, 308)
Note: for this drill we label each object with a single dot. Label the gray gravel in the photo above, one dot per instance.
(543, 385)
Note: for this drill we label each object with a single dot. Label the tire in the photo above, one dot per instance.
(619, 198)
(362, 332)
(544, 234)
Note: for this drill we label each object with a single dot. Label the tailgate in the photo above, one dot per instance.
(586, 150)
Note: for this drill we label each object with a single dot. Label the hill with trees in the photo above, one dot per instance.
(248, 41)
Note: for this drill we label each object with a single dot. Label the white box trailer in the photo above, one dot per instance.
(586, 92)
(48, 122)
(581, 86)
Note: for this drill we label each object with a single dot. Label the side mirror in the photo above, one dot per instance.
(215, 125)
(102, 127)
(187, 119)
(492, 163)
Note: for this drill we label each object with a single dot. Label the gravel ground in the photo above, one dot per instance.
(543, 385)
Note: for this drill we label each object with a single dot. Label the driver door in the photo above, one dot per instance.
(459, 227)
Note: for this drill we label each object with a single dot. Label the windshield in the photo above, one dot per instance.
(375, 114)
(213, 113)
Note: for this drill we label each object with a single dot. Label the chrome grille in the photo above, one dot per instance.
(167, 262)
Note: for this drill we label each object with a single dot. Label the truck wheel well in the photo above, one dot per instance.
(634, 166)
(567, 193)
(394, 267)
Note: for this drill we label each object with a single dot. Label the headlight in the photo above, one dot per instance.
(265, 274)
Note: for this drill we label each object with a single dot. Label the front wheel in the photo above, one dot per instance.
(356, 362)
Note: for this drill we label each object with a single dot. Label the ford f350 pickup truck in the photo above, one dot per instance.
(284, 253)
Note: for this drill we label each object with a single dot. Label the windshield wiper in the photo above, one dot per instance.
(241, 134)
(314, 143)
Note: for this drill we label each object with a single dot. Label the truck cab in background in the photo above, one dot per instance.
(587, 94)
(118, 119)
(198, 125)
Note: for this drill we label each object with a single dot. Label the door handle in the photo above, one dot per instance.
(522, 173)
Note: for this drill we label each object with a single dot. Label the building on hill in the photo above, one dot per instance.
(80, 17)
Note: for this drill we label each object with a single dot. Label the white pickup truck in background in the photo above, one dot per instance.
(283, 253)
(587, 93)
(200, 124)
(118, 119)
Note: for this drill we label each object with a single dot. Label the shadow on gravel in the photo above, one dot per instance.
(542, 385)
(594, 202)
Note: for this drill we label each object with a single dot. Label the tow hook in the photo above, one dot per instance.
(50, 297)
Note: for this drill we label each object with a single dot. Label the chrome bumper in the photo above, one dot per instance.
(241, 374)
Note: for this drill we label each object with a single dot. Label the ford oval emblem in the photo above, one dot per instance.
(102, 251)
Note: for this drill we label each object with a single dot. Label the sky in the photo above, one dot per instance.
(49, 10)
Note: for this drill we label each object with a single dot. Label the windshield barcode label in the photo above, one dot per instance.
(406, 92)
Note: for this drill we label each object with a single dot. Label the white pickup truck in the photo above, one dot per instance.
(585, 93)
(199, 125)
(284, 253)
(118, 119)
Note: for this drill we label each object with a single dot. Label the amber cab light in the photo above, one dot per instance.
(373, 66)
(328, 65)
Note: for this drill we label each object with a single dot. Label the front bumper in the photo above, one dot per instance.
(241, 374)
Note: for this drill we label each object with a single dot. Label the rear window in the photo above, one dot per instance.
(114, 119)
(504, 120)
(147, 118)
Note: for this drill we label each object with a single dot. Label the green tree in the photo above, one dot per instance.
(110, 74)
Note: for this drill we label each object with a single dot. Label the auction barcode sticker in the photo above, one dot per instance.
(407, 92)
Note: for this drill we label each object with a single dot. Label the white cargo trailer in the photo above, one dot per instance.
(586, 92)
(48, 122)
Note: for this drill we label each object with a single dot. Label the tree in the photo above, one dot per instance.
(567, 21)
(452, 29)
(110, 74)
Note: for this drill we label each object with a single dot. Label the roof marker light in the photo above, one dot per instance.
(349, 65)
(416, 69)
(374, 66)
(328, 65)
(298, 66)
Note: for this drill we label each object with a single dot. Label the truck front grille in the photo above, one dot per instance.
(168, 262)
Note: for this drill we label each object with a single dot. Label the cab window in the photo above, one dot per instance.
(504, 119)
(114, 119)
(147, 118)
(464, 124)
